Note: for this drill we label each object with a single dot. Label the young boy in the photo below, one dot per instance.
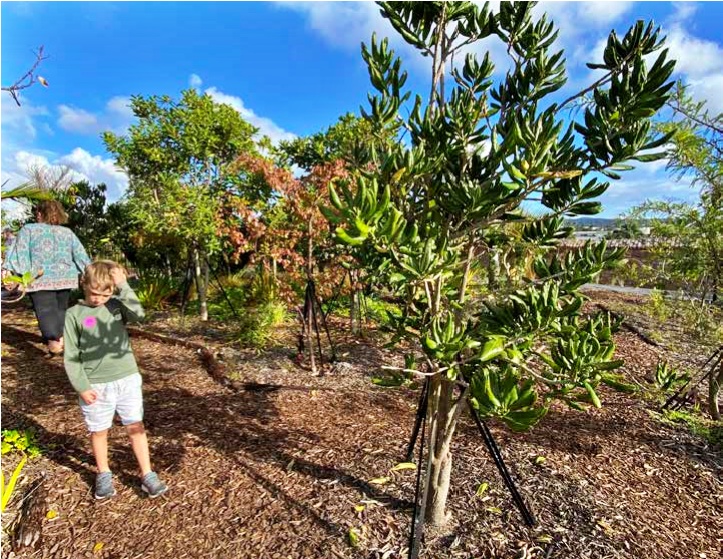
(101, 367)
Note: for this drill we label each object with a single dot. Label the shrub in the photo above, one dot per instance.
(657, 305)
(154, 291)
(667, 377)
(20, 441)
(257, 324)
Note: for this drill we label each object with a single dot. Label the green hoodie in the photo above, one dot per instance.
(97, 348)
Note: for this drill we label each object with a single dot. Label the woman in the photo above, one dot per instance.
(54, 253)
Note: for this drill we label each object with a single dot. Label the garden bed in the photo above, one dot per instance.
(290, 470)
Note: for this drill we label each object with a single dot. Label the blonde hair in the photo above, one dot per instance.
(97, 275)
(51, 212)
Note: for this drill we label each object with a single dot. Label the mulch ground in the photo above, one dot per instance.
(285, 471)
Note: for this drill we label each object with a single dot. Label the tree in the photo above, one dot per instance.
(430, 207)
(696, 148)
(85, 205)
(344, 145)
(177, 159)
(343, 141)
(626, 229)
(689, 245)
(691, 235)
(290, 233)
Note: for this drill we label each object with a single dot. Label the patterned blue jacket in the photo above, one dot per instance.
(51, 248)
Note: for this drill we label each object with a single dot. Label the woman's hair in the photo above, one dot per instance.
(97, 275)
(51, 212)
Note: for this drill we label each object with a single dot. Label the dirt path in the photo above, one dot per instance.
(279, 474)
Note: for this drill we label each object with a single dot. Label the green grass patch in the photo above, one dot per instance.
(711, 431)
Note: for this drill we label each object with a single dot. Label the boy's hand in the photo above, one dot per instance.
(118, 275)
(89, 396)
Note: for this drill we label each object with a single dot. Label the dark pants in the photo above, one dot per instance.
(50, 307)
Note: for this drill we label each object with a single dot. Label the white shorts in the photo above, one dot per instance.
(123, 396)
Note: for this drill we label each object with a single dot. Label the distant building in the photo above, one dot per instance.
(589, 235)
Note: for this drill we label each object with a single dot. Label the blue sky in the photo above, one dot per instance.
(289, 68)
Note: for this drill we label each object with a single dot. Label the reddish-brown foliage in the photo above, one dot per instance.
(281, 232)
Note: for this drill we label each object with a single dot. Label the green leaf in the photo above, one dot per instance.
(491, 349)
(593, 395)
(347, 239)
(7, 491)
(388, 381)
(617, 383)
(353, 537)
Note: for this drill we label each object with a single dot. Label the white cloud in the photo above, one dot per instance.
(699, 62)
(598, 14)
(77, 120)
(120, 107)
(266, 126)
(684, 10)
(19, 121)
(343, 24)
(647, 182)
(85, 166)
(116, 116)
(95, 169)
(696, 58)
(346, 25)
(709, 89)
(195, 81)
(26, 160)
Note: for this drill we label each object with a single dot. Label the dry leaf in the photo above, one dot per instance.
(379, 480)
(404, 466)
(98, 547)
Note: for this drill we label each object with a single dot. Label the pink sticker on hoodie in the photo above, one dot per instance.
(89, 321)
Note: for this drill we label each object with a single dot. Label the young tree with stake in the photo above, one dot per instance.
(431, 205)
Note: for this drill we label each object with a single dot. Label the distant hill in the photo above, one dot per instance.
(586, 222)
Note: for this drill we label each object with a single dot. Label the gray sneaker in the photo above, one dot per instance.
(104, 485)
(153, 485)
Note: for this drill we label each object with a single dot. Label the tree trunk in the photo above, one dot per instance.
(310, 277)
(201, 283)
(716, 380)
(493, 270)
(352, 310)
(442, 427)
(309, 327)
(355, 314)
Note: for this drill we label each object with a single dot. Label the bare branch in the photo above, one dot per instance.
(28, 79)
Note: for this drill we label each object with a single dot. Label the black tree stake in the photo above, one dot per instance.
(500, 463)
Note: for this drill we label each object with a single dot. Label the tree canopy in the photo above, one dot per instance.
(429, 210)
